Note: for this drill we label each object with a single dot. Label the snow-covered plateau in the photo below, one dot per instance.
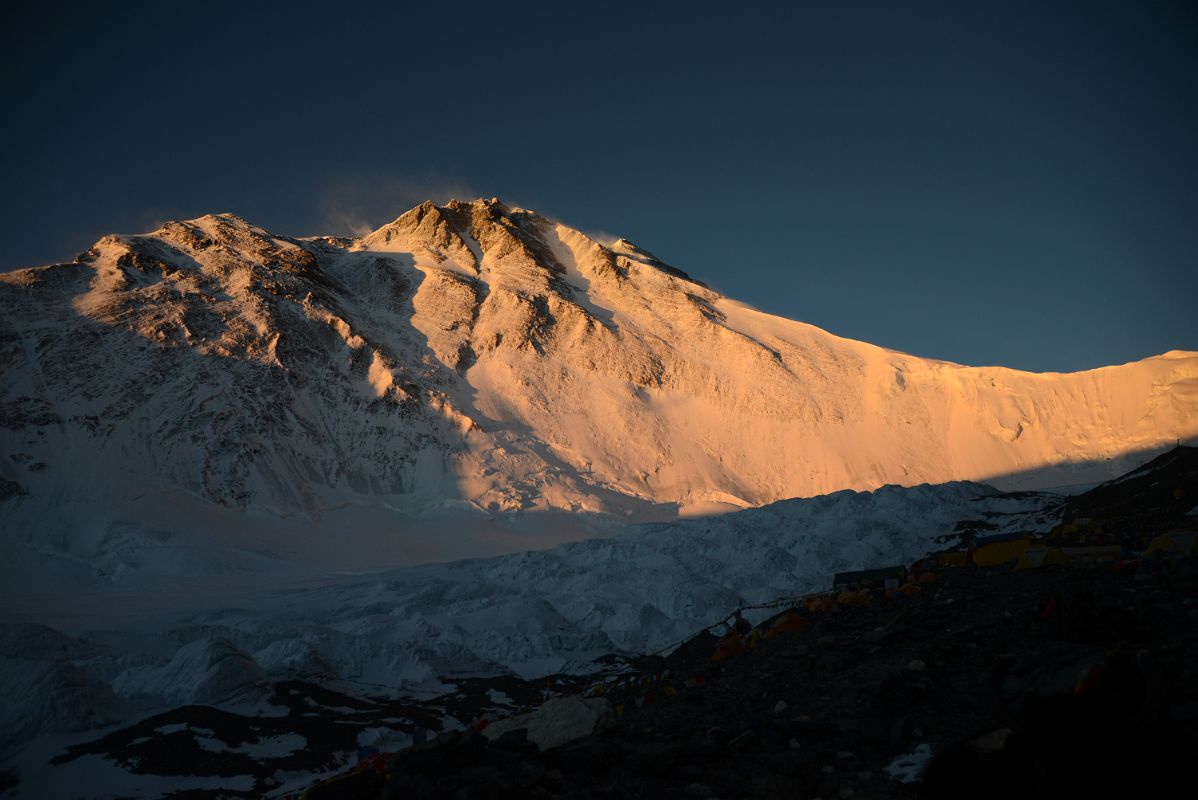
(474, 441)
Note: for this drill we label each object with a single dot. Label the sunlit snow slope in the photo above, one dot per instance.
(476, 355)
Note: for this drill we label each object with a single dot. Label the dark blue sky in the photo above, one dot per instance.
(1015, 185)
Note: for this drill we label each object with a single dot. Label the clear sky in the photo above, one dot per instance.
(1015, 184)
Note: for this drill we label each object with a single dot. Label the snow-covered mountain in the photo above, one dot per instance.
(480, 356)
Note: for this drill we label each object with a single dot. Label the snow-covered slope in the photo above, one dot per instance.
(211, 377)
(531, 613)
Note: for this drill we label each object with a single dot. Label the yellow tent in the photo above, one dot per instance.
(1036, 557)
(952, 558)
(1179, 543)
(997, 550)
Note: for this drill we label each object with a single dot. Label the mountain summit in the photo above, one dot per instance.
(481, 354)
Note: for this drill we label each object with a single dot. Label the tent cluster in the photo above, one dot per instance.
(1020, 551)
(1032, 551)
(642, 690)
(850, 590)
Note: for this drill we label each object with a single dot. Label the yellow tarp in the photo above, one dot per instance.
(1036, 557)
(995, 553)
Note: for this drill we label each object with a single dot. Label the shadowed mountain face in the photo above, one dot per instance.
(488, 355)
(1160, 495)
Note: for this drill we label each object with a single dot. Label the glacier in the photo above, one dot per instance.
(530, 613)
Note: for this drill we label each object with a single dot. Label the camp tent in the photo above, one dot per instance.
(1174, 543)
(1036, 557)
(953, 558)
(1002, 549)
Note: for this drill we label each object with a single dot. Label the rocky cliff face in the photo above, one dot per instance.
(484, 353)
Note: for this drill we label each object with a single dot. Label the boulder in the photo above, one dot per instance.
(559, 721)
